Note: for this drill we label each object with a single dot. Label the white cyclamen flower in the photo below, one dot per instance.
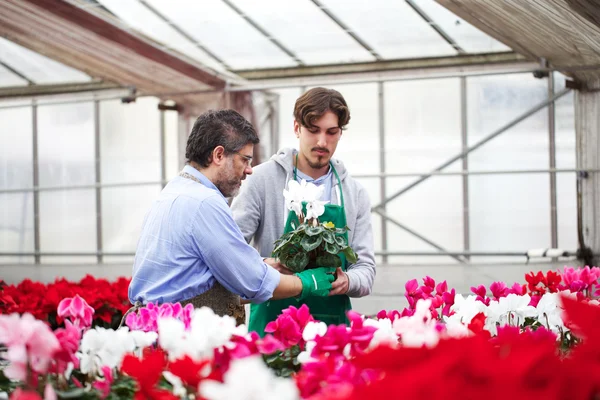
(207, 332)
(250, 379)
(293, 196)
(384, 334)
(100, 347)
(549, 314)
(419, 329)
(510, 310)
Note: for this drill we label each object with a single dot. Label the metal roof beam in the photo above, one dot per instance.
(17, 73)
(50, 90)
(183, 33)
(435, 26)
(382, 66)
(346, 29)
(266, 34)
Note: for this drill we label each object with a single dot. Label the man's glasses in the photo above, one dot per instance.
(245, 157)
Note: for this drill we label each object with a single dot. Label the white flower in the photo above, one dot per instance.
(293, 196)
(178, 387)
(455, 328)
(100, 347)
(250, 379)
(315, 209)
(467, 308)
(207, 332)
(314, 329)
(384, 334)
(510, 310)
(419, 329)
(549, 314)
(311, 192)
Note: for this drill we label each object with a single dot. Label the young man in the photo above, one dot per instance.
(191, 250)
(320, 117)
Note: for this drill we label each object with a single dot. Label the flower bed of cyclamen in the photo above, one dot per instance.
(539, 339)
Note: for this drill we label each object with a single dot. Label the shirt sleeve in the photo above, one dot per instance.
(234, 263)
(361, 275)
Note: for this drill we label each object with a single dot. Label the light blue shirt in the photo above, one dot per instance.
(323, 180)
(188, 241)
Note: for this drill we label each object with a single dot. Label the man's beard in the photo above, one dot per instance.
(227, 183)
(320, 163)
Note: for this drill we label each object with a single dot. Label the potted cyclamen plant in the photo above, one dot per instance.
(312, 243)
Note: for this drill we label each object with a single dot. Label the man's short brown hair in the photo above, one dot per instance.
(314, 103)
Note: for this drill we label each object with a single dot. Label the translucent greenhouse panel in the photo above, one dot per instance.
(139, 17)
(494, 101)
(304, 29)
(7, 78)
(123, 211)
(16, 148)
(509, 213)
(16, 172)
(566, 158)
(392, 28)
(171, 144)
(66, 144)
(287, 99)
(225, 33)
(36, 67)
(68, 224)
(469, 38)
(372, 187)
(359, 146)
(130, 141)
(422, 131)
(16, 226)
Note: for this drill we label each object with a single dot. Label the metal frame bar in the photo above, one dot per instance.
(36, 181)
(17, 73)
(387, 253)
(415, 234)
(15, 92)
(382, 166)
(358, 176)
(98, 180)
(435, 26)
(347, 29)
(266, 34)
(464, 138)
(480, 143)
(552, 162)
(183, 33)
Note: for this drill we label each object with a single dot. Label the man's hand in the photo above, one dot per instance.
(273, 262)
(341, 283)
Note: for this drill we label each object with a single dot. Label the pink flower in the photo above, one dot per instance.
(68, 338)
(269, 345)
(30, 343)
(518, 289)
(391, 315)
(20, 394)
(499, 290)
(448, 298)
(103, 386)
(146, 318)
(290, 324)
(480, 291)
(441, 288)
(77, 309)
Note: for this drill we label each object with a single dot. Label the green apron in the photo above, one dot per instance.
(332, 309)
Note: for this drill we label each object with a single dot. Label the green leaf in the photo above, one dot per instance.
(309, 243)
(329, 237)
(332, 248)
(350, 255)
(71, 394)
(341, 241)
(328, 260)
(298, 262)
(314, 230)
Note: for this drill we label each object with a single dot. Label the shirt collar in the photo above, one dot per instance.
(318, 181)
(202, 178)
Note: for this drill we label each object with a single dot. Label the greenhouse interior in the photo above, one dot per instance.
(473, 136)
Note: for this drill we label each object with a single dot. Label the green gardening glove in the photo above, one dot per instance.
(316, 282)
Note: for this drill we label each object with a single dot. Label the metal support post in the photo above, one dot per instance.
(36, 183)
(552, 164)
(98, 180)
(465, 164)
(382, 167)
(163, 161)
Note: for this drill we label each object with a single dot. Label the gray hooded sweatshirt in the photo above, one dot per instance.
(260, 212)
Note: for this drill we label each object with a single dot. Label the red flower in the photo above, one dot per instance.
(147, 372)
